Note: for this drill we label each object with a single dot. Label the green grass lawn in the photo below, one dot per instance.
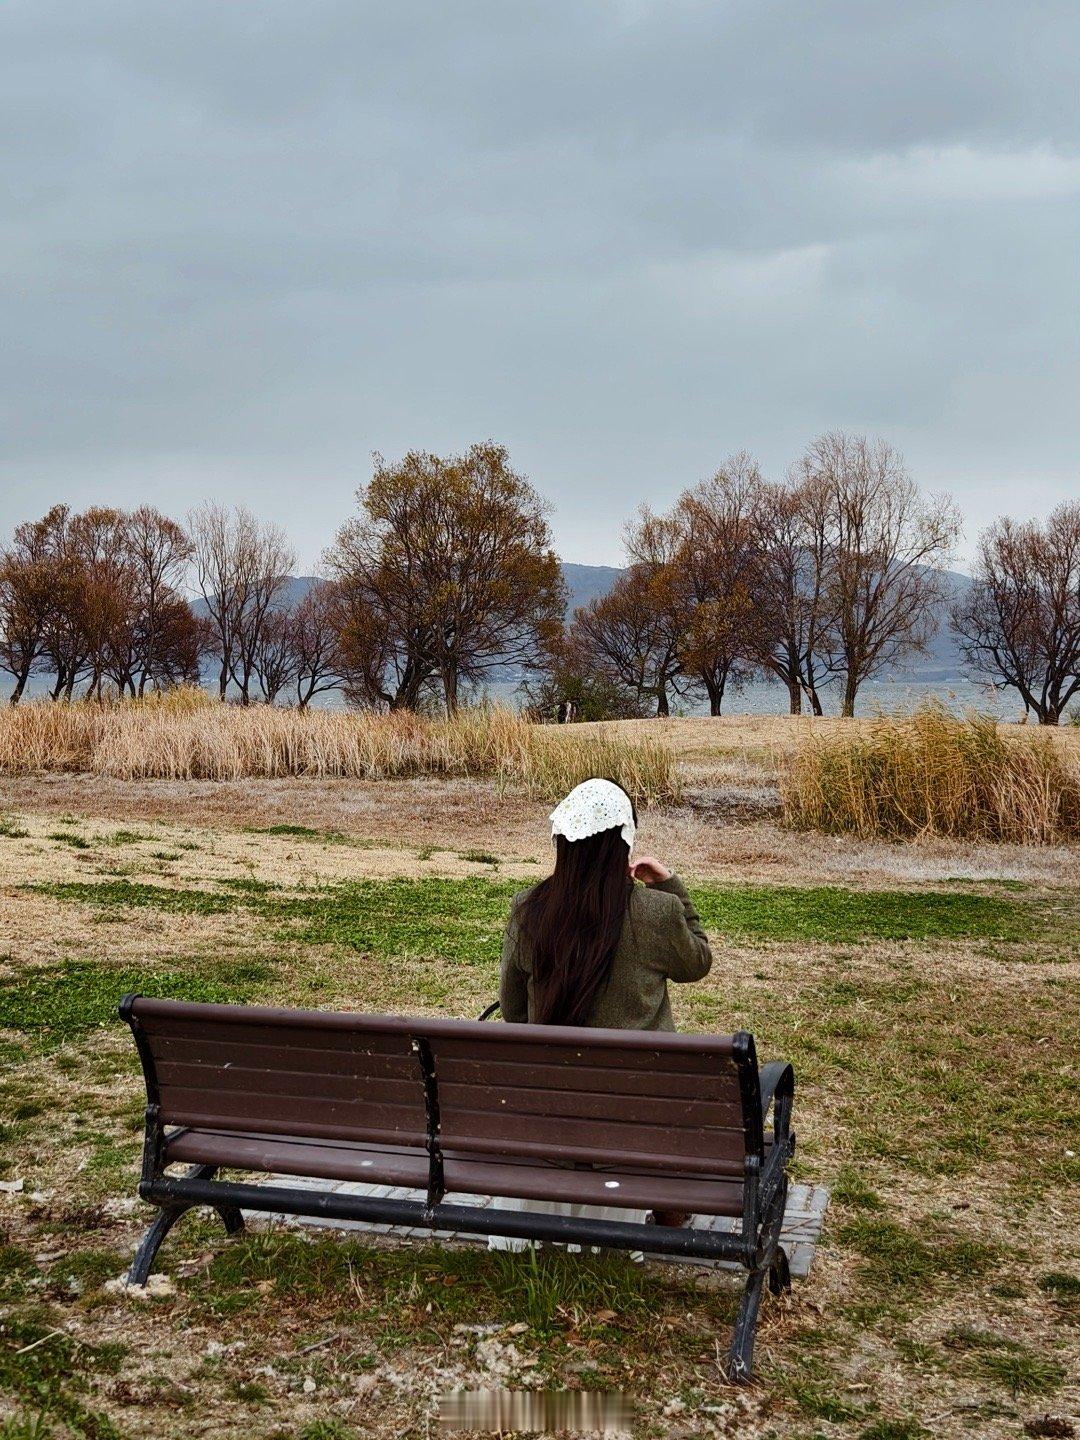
(931, 1033)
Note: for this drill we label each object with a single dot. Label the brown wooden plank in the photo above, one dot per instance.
(288, 1157)
(592, 1187)
(251, 1110)
(529, 1050)
(527, 1101)
(600, 1138)
(298, 1084)
(314, 1059)
(521, 1179)
(507, 1147)
(593, 1079)
(325, 1130)
(313, 1037)
(670, 1042)
(150, 1010)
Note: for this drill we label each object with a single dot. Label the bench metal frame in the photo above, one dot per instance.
(754, 1243)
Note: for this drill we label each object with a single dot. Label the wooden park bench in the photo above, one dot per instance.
(640, 1120)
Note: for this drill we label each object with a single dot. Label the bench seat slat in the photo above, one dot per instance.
(641, 1191)
(622, 1188)
(374, 1164)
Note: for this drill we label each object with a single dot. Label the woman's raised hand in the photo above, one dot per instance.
(649, 870)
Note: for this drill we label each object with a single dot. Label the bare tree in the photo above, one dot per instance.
(87, 596)
(182, 641)
(1020, 621)
(72, 641)
(241, 567)
(632, 634)
(264, 560)
(887, 548)
(316, 625)
(160, 550)
(109, 610)
(211, 529)
(794, 590)
(274, 661)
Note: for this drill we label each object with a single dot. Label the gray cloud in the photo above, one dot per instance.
(245, 245)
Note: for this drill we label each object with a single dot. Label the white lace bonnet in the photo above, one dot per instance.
(592, 806)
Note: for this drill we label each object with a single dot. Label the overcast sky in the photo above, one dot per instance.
(245, 245)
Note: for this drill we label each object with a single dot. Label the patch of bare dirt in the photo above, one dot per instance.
(434, 826)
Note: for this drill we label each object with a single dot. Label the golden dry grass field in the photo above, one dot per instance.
(925, 991)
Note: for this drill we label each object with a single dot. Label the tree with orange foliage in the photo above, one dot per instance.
(450, 575)
(30, 575)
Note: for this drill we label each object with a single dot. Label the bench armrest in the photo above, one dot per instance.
(490, 1011)
(777, 1082)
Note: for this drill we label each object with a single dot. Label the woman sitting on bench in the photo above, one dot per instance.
(588, 945)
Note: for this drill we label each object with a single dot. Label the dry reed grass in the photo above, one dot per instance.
(934, 774)
(186, 736)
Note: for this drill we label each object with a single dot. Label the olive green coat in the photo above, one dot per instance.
(662, 939)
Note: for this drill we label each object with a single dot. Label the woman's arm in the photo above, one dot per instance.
(513, 985)
(689, 956)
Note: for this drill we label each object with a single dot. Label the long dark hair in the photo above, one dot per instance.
(572, 921)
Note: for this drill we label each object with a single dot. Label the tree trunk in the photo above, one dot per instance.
(662, 707)
(20, 684)
(450, 688)
(794, 697)
(851, 686)
(223, 680)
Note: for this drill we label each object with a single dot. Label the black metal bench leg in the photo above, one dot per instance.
(151, 1243)
(231, 1218)
(780, 1273)
(741, 1357)
(773, 1267)
(167, 1217)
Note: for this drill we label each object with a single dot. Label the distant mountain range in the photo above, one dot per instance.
(584, 582)
(943, 661)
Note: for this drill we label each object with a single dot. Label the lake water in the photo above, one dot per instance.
(765, 698)
(875, 697)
